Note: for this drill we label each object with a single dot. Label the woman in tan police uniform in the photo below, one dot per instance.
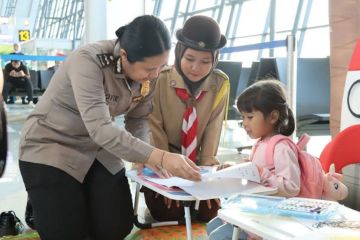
(189, 108)
(71, 151)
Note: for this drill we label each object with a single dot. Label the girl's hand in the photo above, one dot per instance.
(260, 169)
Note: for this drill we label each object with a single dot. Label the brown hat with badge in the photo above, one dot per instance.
(201, 33)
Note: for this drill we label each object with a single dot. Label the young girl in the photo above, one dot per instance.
(266, 113)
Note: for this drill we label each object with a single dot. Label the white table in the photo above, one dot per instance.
(180, 196)
(275, 227)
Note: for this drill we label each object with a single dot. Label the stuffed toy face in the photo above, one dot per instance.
(334, 189)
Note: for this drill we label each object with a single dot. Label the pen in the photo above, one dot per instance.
(317, 210)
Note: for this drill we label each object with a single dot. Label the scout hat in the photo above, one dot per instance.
(201, 33)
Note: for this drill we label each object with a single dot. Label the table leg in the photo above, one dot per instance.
(136, 203)
(136, 208)
(188, 220)
(236, 233)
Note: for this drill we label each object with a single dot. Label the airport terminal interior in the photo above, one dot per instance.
(289, 40)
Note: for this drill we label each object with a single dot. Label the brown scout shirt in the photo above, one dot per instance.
(167, 116)
(72, 123)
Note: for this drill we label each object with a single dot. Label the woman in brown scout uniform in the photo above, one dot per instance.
(71, 151)
(189, 107)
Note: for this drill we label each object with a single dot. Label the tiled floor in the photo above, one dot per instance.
(12, 191)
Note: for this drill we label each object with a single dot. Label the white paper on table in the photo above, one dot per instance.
(247, 170)
(171, 182)
(225, 187)
(177, 181)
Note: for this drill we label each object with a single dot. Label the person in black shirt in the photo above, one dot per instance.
(17, 76)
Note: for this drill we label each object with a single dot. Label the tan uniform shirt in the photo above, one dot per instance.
(72, 123)
(167, 116)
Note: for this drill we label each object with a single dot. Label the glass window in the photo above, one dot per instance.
(316, 43)
(312, 31)
(253, 17)
(319, 13)
(246, 57)
(285, 14)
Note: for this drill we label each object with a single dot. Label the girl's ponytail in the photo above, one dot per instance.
(287, 126)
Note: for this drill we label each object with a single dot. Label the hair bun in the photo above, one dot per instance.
(120, 31)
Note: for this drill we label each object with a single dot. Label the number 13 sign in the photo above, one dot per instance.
(24, 35)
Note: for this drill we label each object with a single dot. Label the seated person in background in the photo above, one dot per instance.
(17, 76)
(17, 50)
(191, 89)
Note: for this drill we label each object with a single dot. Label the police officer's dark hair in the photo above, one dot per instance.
(266, 96)
(145, 36)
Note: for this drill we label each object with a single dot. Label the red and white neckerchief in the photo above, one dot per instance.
(190, 123)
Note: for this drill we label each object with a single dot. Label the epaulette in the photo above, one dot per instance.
(105, 59)
(224, 91)
(221, 74)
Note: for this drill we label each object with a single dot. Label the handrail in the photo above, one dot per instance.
(8, 57)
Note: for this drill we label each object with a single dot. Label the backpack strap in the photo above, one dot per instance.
(269, 152)
(303, 140)
(300, 145)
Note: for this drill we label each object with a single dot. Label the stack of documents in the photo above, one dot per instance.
(241, 178)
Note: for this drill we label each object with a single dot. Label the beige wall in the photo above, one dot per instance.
(344, 33)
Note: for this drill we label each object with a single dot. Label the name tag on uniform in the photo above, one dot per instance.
(111, 98)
